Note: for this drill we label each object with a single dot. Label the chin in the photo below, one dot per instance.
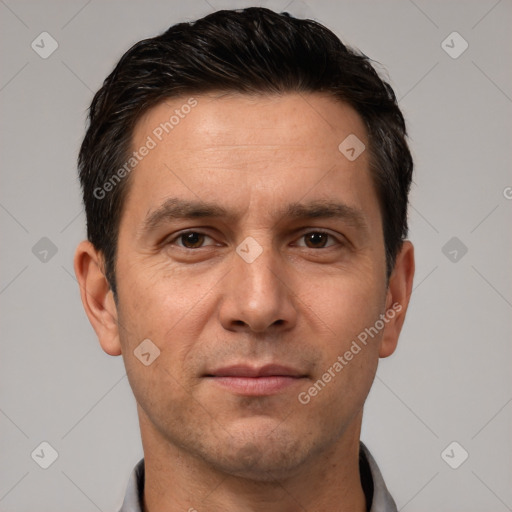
(260, 454)
(256, 462)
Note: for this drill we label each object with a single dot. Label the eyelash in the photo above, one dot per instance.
(316, 231)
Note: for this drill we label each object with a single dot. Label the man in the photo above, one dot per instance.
(245, 181)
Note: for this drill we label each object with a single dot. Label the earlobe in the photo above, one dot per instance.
(397, 299)
(97, 297)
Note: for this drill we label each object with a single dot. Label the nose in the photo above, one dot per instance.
(259, 295)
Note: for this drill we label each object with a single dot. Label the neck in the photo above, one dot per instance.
(177, 481)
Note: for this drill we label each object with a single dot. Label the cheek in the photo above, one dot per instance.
(172, 313)
(159, 392)
(348, 308)
(156, 298)
(348, 303)
(170, 318)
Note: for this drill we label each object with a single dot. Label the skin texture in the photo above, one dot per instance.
(300, 303)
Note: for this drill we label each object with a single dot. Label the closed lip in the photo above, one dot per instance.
(244, 370)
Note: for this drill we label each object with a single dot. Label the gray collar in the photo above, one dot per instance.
(371, 477)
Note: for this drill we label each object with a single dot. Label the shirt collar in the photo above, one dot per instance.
(373, 485)
(381, 501)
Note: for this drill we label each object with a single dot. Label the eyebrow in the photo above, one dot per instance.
(176, 208)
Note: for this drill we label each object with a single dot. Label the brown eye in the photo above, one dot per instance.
(191, 240)
(318, 240)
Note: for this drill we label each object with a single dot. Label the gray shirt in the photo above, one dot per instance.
(376, 492)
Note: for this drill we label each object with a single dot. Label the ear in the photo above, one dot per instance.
(97, 297)
(397, 298)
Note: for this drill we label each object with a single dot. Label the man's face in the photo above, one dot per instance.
(256, 285)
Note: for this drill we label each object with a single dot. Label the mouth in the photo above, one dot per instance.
(256, 381)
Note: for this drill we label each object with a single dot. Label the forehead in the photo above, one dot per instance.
(235, 121)
(239, 150)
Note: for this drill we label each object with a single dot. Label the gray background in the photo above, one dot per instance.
(450, 377)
